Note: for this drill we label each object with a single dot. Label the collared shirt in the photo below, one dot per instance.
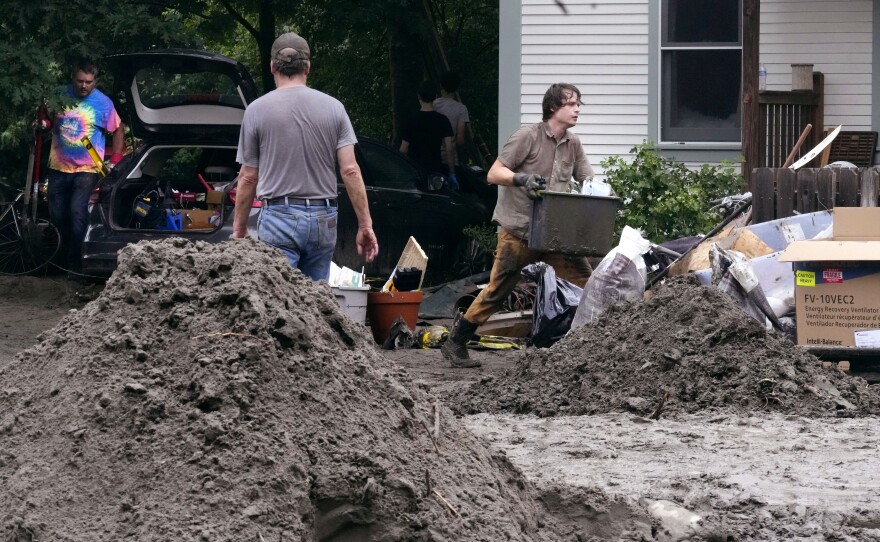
(534, 149)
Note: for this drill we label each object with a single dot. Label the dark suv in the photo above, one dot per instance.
(186, 109)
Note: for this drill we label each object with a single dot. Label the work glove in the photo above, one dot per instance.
(533, 185)
(114, 159)
(453, 182)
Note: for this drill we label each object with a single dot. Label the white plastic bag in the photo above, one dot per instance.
(593, 187)
(732, 274)
(620, 276)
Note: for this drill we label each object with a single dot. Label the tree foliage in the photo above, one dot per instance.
(664, 198)
(370, 55)
(44, 38)
(353, 50)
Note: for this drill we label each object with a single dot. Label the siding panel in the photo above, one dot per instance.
(602, 47)
(833, 35)
(605, 54)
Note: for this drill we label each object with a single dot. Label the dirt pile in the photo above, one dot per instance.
(212, 393)
(688, 341)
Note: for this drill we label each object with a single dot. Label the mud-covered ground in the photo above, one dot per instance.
(751, 472)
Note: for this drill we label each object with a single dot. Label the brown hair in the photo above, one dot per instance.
(556, 96)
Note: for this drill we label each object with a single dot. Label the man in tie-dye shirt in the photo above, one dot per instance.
(72, 172)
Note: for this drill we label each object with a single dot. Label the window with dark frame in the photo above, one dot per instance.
(701, 71)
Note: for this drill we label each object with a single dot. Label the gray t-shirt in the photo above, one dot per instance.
(456, 112)
(291, 135)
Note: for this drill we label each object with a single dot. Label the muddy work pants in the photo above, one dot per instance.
(511, 255)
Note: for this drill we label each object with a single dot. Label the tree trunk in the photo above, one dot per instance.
(267, 37)
(751, 112)
(407, 26)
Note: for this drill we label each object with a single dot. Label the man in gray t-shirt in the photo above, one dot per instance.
(291, 140)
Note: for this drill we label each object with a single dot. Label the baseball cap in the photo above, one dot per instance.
(290, 47)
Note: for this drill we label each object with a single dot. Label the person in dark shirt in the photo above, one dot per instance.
(423, 135)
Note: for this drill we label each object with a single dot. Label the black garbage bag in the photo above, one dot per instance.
(556, 301)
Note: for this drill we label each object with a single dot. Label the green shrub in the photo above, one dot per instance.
(485, 235)
(665, 199)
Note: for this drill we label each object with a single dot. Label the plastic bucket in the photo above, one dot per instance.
(573, 224)
(383, 308)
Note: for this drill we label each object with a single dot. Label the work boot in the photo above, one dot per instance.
(455, 347)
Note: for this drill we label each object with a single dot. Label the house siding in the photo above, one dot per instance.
(602, 48)
(608, 49)
(836, 36)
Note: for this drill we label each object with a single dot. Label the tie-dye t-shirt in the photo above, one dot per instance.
(84, 118)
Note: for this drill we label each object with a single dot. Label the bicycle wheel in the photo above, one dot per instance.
(26, 247)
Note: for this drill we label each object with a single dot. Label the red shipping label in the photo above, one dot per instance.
(832, 276)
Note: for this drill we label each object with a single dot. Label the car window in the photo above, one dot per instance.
(158, 88)
(388, 169)
(180, 168)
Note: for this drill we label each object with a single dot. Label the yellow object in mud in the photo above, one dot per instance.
(99, 162)
(433, 337)
(492, 342)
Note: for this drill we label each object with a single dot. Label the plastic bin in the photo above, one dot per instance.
(573, 223)
(782, 231)
(173, 220)
(353, 301)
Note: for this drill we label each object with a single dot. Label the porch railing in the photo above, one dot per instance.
(784, 116)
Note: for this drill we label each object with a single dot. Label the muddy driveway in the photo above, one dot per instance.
(715, 473)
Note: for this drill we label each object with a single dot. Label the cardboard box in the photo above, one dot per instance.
(837, 282)
(198, 219)
(214, 197)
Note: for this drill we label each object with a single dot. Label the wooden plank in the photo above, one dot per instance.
(870, 187)
(751, 111)
(786, 191)
(827, 188)
(807, 188)
(789, 98)
(763, 195)
(819, 111)
(847, 187)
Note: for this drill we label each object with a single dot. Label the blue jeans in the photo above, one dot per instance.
(69, 209)
(306, 235)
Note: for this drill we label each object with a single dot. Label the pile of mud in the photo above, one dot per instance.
(212, 393)
(688, 343)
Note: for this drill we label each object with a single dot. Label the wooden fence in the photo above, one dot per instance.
(783, 192)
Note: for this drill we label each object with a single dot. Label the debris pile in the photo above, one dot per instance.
(212, 393)
(686, 349)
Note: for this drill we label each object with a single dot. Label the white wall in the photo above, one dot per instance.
(602, 48)
(833, 35)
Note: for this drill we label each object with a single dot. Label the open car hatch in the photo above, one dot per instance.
(180, 94)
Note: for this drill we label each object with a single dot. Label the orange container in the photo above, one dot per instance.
(383, 308)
